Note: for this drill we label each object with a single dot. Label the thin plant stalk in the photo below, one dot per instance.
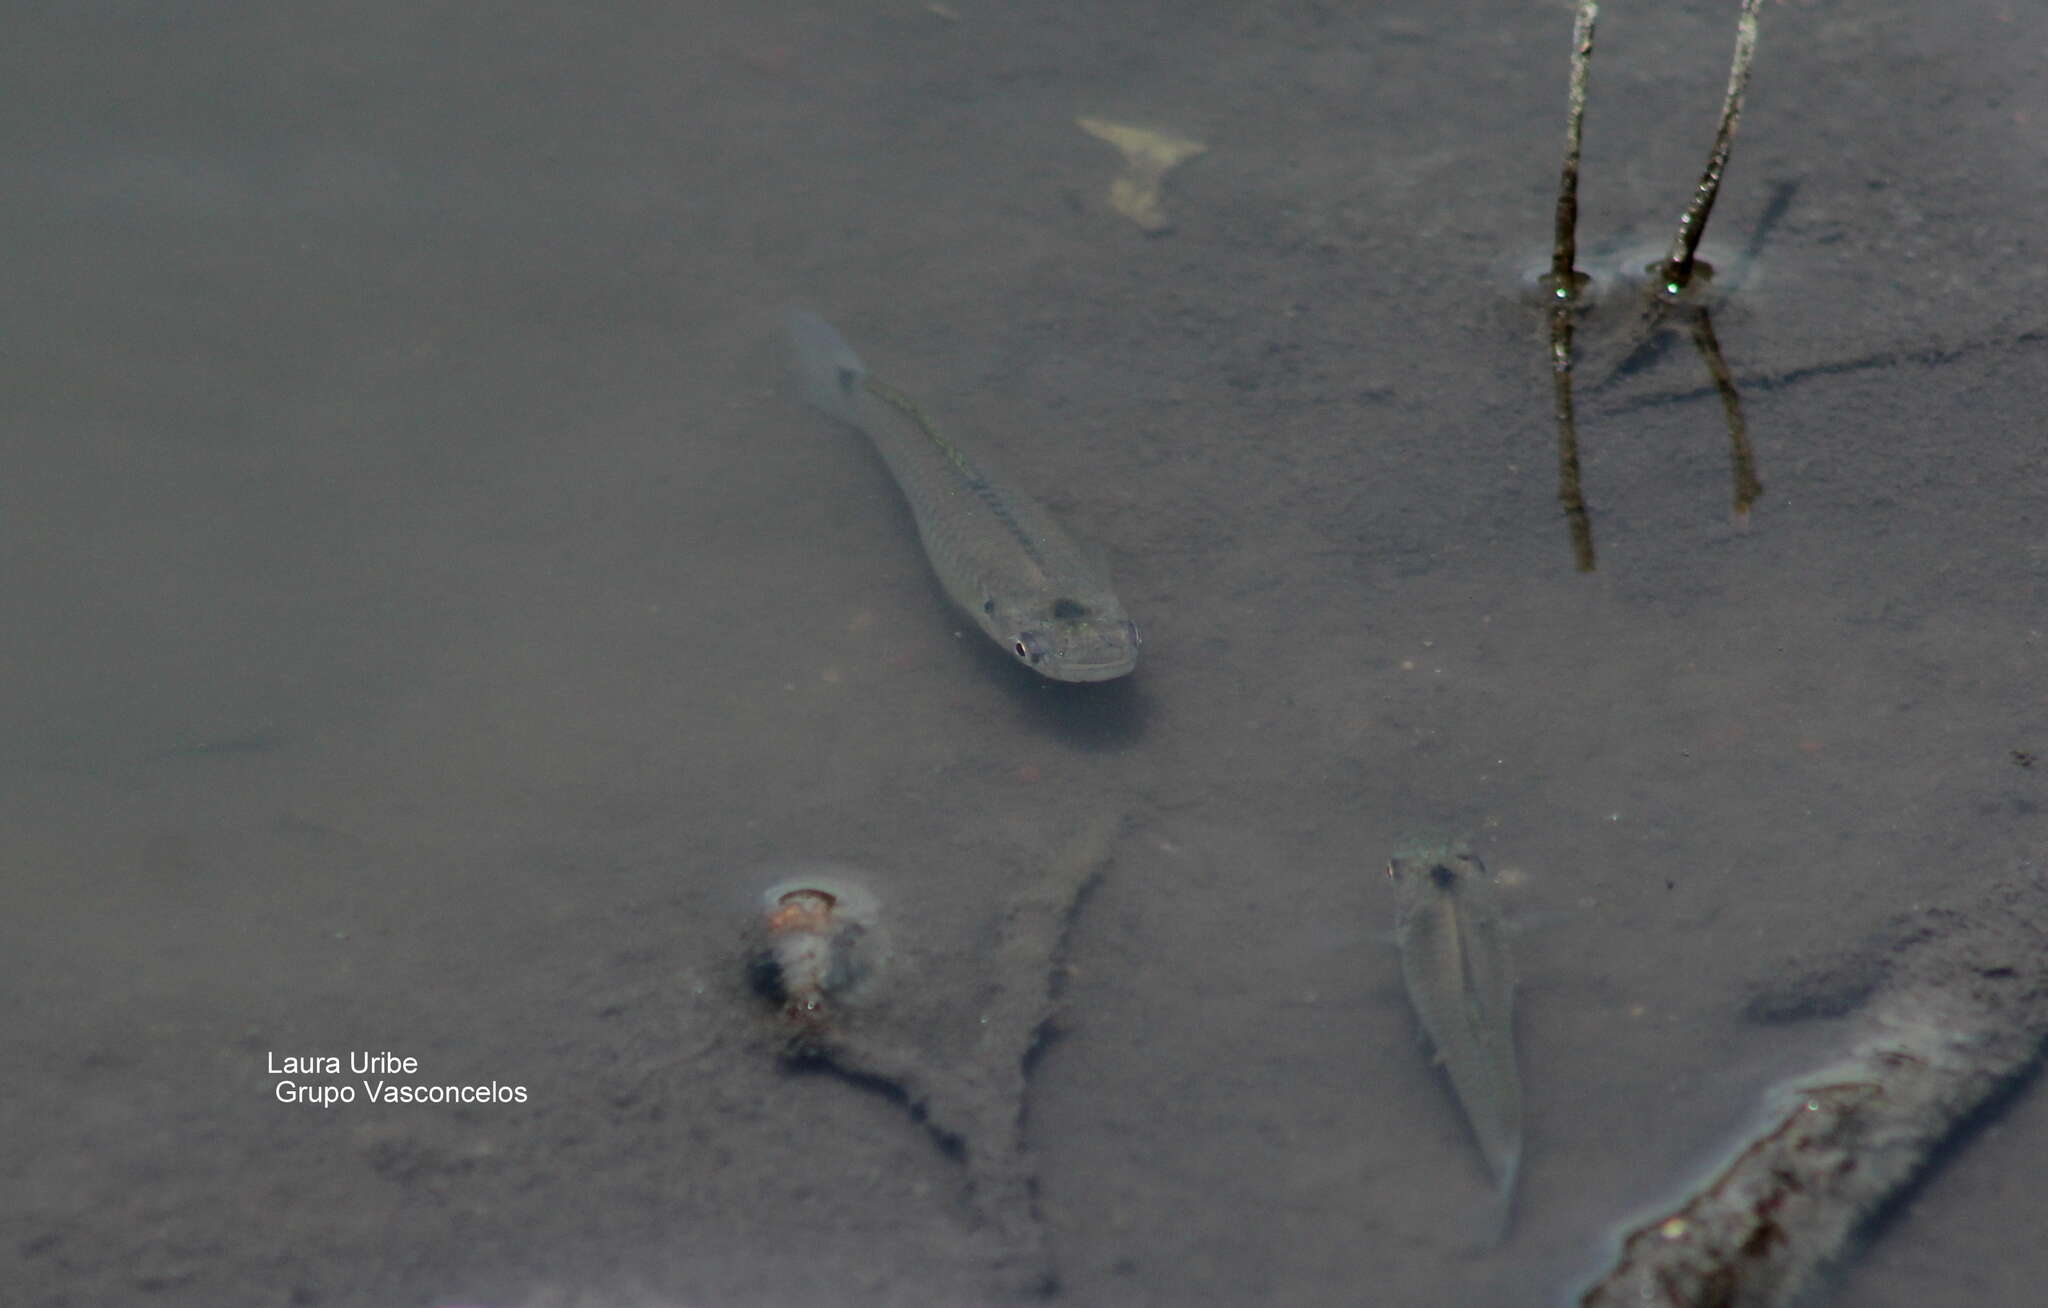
(1676, 272)
(1565, 282)
(1565, 278)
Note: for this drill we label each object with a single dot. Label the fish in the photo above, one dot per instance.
(998, 554)
(1454, 957)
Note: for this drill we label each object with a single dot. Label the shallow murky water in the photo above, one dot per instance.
(433, 621)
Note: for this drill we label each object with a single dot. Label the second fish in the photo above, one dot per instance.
(1454, 956)
(1000, 556)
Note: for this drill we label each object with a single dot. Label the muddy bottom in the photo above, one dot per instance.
(434, 621)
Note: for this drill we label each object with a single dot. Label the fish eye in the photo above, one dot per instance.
(1029, 647)
(988, 606)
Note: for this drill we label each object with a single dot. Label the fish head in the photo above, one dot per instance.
(1434, 865)
(1069, 638)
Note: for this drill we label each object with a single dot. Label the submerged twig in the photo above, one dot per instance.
(966, 1080)
(1675, 273)
(1960, 1017)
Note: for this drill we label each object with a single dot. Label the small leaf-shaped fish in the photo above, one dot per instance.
(1454, 957)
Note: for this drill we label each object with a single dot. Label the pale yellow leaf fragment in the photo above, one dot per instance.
(1148, 157)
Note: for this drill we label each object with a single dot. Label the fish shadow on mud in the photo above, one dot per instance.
(1097, 716)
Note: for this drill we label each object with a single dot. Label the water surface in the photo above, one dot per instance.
(429, 608)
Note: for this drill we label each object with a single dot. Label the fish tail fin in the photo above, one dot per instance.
(1487, 1227)
(1500, 1211)
(826, 366)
